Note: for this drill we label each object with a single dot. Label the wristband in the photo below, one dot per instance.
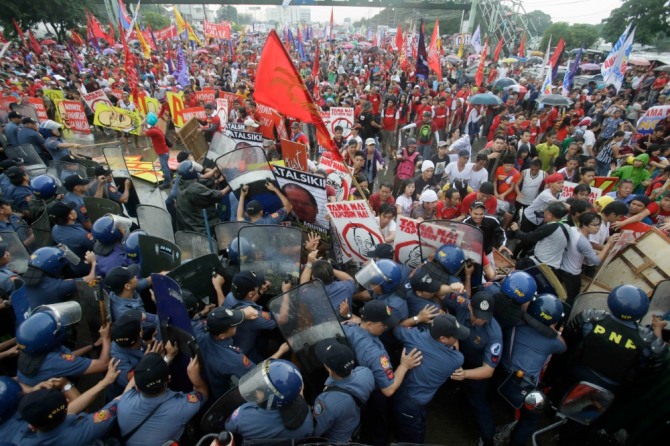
(67, 387)
(416, 320)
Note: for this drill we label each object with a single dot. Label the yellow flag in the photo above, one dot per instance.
(460, 50)
(146, 49)
(239, 44)
(183, 25)
(191, 35)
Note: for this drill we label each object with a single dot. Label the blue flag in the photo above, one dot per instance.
(569, 77)
(421, 55)
(181, 70)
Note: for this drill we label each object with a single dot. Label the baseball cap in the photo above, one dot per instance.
(357, 127)
(250, 122)
(126, 329)
(60, 210)
(118, 277)
(554, 178)
(101, 170)
(15, 173)
(422, 280)
(74, 180)
(463, 153)
(428, 164)
(221, 319)
(337, 357)
(152, 374)
(370, 141)
(378, 311)
(428, 196)
(483, 305)
(44, 408)
(253, 207)
(382, 251)
(446, 325)
(28, 120)
(477, 204)
(14, 115)
(6, 164)
(442, 144)
(246, 281)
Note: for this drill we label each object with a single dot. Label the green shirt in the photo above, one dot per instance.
(547, 153)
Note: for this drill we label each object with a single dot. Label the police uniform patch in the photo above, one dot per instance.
(68, 357)
(477, 340)
(101, 416)
(245, 361)
(318, 408)
(496, 349)
(274, 215)
(192, 398)
(386, 365)
(235, 414)
(265, 315)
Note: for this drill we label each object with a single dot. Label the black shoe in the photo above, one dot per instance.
(165, 186)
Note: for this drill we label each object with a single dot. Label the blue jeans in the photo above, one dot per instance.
(163, 159)
(481, 408)
(426, 150)
(602, 169)
(410, 419)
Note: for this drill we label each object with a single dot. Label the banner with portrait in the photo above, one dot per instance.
(117, 118)
(93, 98)
(406, 246)
(73, 116)
(435, 233)
(307, 194)
(338, 176)
(356, 227)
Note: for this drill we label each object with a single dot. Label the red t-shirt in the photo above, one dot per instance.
(158, 140)
(504, 182)
(376, 203)
(444, 213)
(389, 120)
(657, 214)
(440, 118)
(491, 204)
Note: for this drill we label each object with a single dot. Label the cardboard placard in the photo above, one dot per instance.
(294, 154)
(117, 119)
(357, 228)
(307, 194)
(569, 189)
(342, 116)
(98, 96)
(73, 116)
(406, 245)
(40, 109)
(338, 177)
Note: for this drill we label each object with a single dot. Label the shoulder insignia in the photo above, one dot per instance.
(274, 215)
(265, 315)
(101, 416)
(68, 357)
(235, 414)
(496, 349)
(192, 398)
(245, 361)
(386, 365)
(318, 408)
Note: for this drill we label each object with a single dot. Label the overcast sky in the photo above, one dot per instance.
(571, 11)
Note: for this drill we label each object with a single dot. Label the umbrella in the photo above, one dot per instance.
(518, 88)
(554, 99)
(108, 51)
(504, 82)
(48, 42)
(534, 59)
(473, 56)
(347, 46)
(365, 44)
(484, 99)
(510, 60)
(537, 53)
(639, 61)
(665, 68)
(201, 51)
(589, 66)
(246, 52)
(373, 49)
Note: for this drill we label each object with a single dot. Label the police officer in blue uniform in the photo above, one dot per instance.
(440, 359)
(528, 348)
(9, 221)
(19, 193)
(340, 286)
(516, 290)
(108, 232)
(150, 413)
(77, 188)
(253, 211)
(381, 278)
(45, 190)
(337, 410)
(72, 234)
(276, 409)
(131, 246)
(482, 351)
(108, 189)
(10, 396)
(123, 285)
(426, 292)
(7, 276)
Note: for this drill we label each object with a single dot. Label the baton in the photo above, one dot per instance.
(209, 232)
(97, 293)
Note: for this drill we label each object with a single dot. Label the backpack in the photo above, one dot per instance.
(425, 134)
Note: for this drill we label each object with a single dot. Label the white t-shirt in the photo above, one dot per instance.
(406, 204)
(388, 229)
(534, 212)
(530, 187)
(452, 173)
(477, 178)
(589, 140)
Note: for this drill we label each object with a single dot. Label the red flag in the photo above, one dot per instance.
(2, 38)
(522, 47)
(111, 34)
(279, 85)
(434, 62)
(479, 77)
(129, 65)
(331, 23)
(398, 38)
(34, 44)
(496, 53)
(76, 38)
(402, 57)
(315, 69)
(557, 53)
(19, 32)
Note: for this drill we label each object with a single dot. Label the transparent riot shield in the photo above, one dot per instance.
(226, 232)
(275, 253)
(196, 276)
(175, 326)
(27, 111)
(304, 317)
(220, 145)
(94, 303)
(116, 162)
(214, 420)
(435, 233)
(41, 233)
(20, 303)
(62, 169)
(246, 166)
(157, 254)
(659, 304)
(34, 164)
(192, 244)
(17, 250)
(89, 165)
(156, 221)
(98, 207)
(587, 301)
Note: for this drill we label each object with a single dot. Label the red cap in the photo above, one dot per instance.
(554, 178)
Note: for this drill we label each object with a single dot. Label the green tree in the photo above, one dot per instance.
(652, 18)
(155, 19)
(57, 15)
(574, 35)
(228, 13)
(538, 22)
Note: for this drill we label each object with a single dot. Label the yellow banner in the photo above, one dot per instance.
(54, 95)
(176, 103)
(146, 104)
(117, 119)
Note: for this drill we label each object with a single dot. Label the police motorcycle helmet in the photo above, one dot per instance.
(519, 286)
(382, 272)
(131, 244)
(45, 329)
(628, 303)
(110, 229)
(187, 170)
(239, 248)
(49, 260)
(44, 186)
(546, 308)
(10, 396)
(273, 384)
(451, 258)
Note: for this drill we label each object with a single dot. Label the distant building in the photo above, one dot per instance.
(291, 15)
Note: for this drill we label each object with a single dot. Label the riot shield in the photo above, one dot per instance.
(98, 207)
(156, 221)
(19, 254)
(93, 301)
(215, 418)
(435, 233)
(34, 164)
(276, 253)
(220, 145)
(227, 231)
(89, 165)
(247, 166)
(546, 280)
(586, 301)
(660, 302)
(304, 317)
(27, 111)
(192, 244)
(196, 276)
(41, 232)
(116, 162)
(62, 169)
(20, 303)
(176, 327)
(157, 254)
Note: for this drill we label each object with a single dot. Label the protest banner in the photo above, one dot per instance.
(73, 116)
(569, 189)
(117, 118)
(357, 228)
(606, 184)
(216, 30)
(338, 176)
(222, 110)
(294, 154)
(433, 234)
(236, 132)
(406, 243)
(166, 33)
(118, 94)
(205, 96)
(342, 116)
(193, 112)
(176, 103)
(231, 98)
(269, 120)
(54, 95)
(40, 109)
(647, 122)
(307, 194)
(146, 104)
(94, 97)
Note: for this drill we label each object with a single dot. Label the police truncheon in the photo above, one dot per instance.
(156, 221)
(304, 317)
(157, 254)
(196, 276)
(175, 326)
(275, 253)
(546, 281)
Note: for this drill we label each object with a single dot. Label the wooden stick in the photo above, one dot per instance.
(99, 144)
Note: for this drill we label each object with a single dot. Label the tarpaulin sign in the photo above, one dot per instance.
(342, 116)
(406, 244)
(117, 119)
(73, 116)
(647, 122)
(216, 30)
(40, 109)
(95, 97)
(569, 190)
(433, 234)
(193, 112)
(307, 194)
(357, 227)
(54, 95)
(294, 154)
(176, 103)
(269, 119)
(338, 176)
(205, 96)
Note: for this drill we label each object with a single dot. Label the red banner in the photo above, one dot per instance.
(206, 96)
(294, 154)
(75, 116)
(166, 33)
(231, 98)
(269, 119)
(40, 109)
(216, 30)
(193, 112)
